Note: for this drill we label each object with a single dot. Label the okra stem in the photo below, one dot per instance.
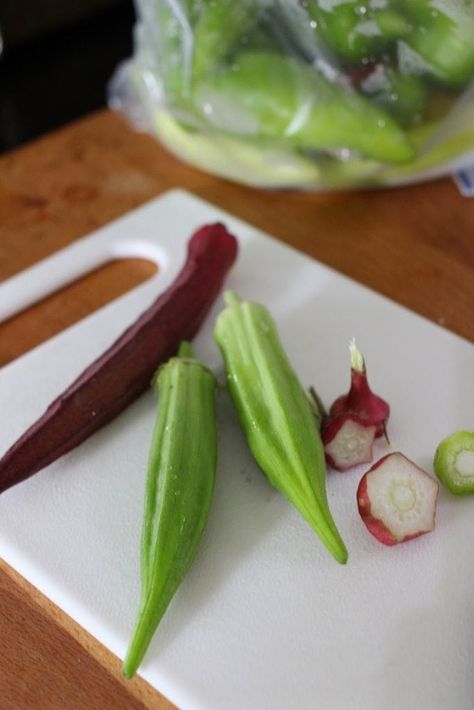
(185, 350)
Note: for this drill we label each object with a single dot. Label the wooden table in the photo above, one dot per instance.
(413, 244)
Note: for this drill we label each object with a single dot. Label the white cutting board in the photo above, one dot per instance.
(265, 619)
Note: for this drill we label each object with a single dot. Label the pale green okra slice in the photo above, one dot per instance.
(454, 462)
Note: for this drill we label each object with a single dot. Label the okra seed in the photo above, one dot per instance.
(465, 463)
(403, 496)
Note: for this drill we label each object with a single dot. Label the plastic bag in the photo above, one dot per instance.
(313, 94)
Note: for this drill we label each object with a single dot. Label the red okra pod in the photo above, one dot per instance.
(125, 369)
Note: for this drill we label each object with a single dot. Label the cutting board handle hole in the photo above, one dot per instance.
(70, 304)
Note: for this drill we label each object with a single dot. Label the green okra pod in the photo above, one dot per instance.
(355, 30)
(443, 37)
(219, 28)
(179, 490)
(403, 96)
(272, 97)
(275, 414)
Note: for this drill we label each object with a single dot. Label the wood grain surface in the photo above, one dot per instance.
(413, 244)
(68, 305)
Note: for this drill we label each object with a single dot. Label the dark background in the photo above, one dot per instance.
(57, 59)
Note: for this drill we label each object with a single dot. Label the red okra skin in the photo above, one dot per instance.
(124, 371)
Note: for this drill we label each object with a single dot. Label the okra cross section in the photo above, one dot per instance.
(275, 414)
(179, 490)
